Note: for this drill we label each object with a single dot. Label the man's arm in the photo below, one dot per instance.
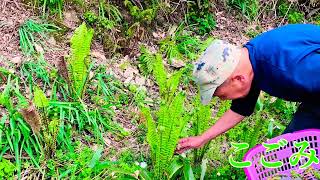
(227, 121)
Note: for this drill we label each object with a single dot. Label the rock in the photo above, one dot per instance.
(106, 140)
(129, 72)
(52, 41)
(140, 81)
(177, 63)
(38, 48)
(149, 83)
(98, 55)
(128, 80)
(17, 60)
(70, 19)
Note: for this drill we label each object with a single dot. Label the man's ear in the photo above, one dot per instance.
(239, 78)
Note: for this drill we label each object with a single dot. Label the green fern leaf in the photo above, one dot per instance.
(160, 74)
(79, 60)
(146, 61)
(152, 137)
(173, 83)
(40, 99)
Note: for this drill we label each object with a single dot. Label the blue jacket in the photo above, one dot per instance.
(286, 64)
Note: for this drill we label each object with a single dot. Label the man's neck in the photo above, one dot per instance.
(245, 64)
(246, 67)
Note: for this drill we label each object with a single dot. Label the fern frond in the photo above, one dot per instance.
(146, 61)
(152, 137)
(201, 120)
(170, 49)
(170, 124)
(160, 74)
(79, 60)
(40, 99)
(173, 83)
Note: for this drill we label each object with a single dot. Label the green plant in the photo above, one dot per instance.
(28, 32)
(200, 17)
(109, 11)
(51, 6)
(16, 136)
(146, 60)
(108, 17)
(183, 46)
(200, 118)
(6, 169)
(163, 134)
(182, 167)
(169, 47)
(79, 61)
(249, 8)
(141, 15)
(290, 11)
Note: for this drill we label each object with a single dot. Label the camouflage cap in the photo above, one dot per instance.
(215, 65)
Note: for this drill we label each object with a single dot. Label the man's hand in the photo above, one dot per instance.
(190, 143)
(227, 121)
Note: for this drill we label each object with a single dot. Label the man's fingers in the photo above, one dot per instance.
(183, 140)
(183, 145)
(180, 151)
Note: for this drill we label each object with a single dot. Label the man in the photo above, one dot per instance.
(284, 62)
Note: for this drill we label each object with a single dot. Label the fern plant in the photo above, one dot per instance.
(146, 61)
(78, 63)
(165, 127)
(141, 15)
(201, 120)
(170, 48)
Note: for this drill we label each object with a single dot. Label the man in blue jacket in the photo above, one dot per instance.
(283, 62)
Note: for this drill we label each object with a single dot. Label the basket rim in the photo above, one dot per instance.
(246, 170)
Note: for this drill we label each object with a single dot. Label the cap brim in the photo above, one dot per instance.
(206, 95)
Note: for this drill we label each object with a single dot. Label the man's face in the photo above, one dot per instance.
(230, 90)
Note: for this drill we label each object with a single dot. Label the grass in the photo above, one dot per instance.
(249, 8)
(31, 33)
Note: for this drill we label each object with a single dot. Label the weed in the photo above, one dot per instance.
(141, 15)
(16, 136)
(290, 11)
(199, 16)
(27, 34)
(50, 6)
(249, 8)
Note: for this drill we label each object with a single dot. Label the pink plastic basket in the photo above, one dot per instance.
(257, 172)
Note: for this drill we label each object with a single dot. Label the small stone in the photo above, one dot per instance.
(140, 81)
(52, 41)
(98, 55)
(17, 60)
(39, 49)
(70, 19)
(177, 63)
